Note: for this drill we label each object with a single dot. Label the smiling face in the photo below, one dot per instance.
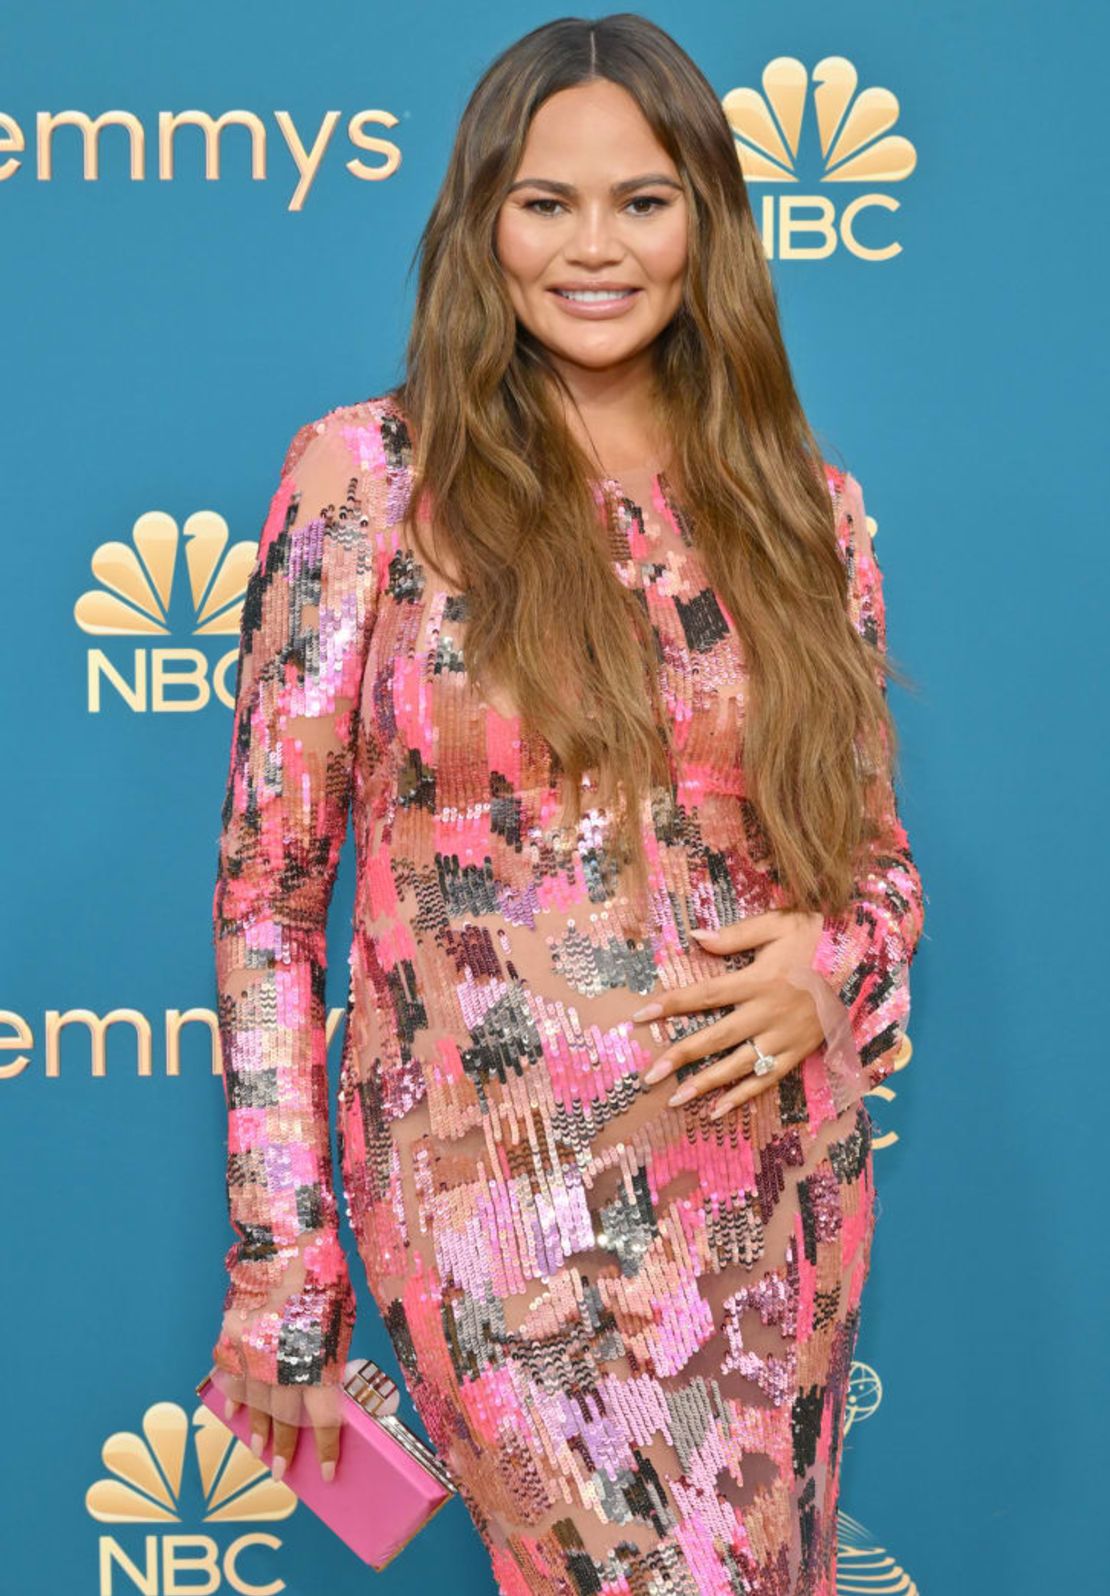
(596, 203)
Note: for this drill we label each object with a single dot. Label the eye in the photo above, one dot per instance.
(648, 199)
(654, 201)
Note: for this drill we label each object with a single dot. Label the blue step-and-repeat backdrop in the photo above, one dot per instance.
(166, 325)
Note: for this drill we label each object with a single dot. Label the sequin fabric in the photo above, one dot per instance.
(627, 1328)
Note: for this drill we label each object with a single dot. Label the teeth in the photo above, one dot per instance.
(594, 296)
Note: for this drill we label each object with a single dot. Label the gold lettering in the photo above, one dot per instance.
(231, 1571)
(308, 164)
(192, 671)
(175, 1024)
(10, 139)
(170, 121)
(56, 1021)
(100, 665)
(794, 224)
(113, 1554)
(362, 141)
(47, 121)
(189, 1555)
(22, 1036)
(867, 202)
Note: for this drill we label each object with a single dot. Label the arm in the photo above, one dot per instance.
(865, 953)
(307, 612)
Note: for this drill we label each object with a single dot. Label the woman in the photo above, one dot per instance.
(590, 639)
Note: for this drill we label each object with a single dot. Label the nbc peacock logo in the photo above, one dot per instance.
(862, 1563)
(149, 1489)
(136, 599)
(856, 146)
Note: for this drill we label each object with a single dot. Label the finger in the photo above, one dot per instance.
(233, 1387)
(708, 1079)
(750, 932)
(715, 993)
(286, 1412)
(752, 1085)
(325, 1409)
(259, 1397)
(741, 1061)
(260, 1428)
(285, 1444)
(710, 1039)
(324, 1404)
(731, 1030)
(327, 1449)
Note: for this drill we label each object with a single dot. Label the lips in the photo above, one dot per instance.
(611, 304)
(617, 290)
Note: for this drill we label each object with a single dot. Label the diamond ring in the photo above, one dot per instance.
(764, 1062)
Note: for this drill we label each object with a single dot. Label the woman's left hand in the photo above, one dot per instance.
(769, 1008)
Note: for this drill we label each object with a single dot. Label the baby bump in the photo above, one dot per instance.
(553, 1172)
(562, 1312)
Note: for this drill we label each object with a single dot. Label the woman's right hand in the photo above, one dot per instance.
(269, 1353)
(288, 1408)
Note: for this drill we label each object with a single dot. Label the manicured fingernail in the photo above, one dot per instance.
(658, 1071)
(719, 1109)
(277, 1468)
(650, 1011)
(230, 1408)
(701, 934)
(327, 1469)
(683, 1095)
(257, 1442)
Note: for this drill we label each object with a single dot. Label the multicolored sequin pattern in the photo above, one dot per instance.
(628, 1328)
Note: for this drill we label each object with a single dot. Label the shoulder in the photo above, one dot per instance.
(849, 513)
(845, 492)
(369, 435)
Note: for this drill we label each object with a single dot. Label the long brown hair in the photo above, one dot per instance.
(513, 490)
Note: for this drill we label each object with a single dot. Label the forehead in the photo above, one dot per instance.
(593, 129)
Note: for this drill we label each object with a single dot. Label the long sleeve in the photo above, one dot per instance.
(307, 613)
(865, 953)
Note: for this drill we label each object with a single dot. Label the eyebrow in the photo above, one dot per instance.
(616, 189)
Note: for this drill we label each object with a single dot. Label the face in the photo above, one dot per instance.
(595, 203)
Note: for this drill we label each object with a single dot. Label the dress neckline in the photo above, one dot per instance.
(655, 480)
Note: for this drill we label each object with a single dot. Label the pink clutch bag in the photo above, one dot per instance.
(387, 1483)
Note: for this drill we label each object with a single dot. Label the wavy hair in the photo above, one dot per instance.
(548, 620)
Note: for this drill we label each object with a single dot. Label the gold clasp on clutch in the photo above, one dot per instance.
(372, 1388)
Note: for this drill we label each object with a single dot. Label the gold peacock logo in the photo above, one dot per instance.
(148, 1470)
(856, 146)
(134, 598)
(136, 579)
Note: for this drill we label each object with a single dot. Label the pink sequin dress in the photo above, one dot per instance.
(627, 1328)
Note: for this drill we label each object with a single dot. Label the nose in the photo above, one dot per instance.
(594, 240)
